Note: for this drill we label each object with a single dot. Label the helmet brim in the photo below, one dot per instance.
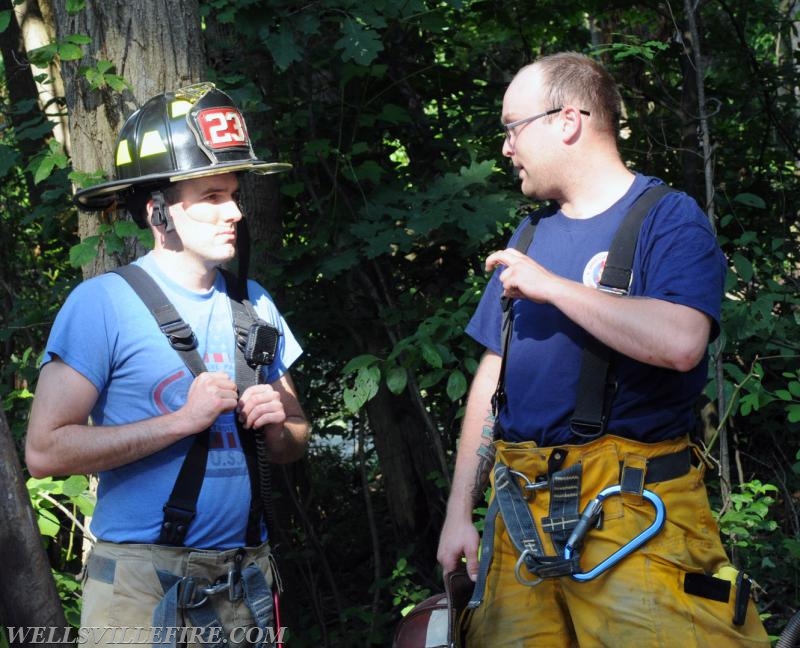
(102, 196)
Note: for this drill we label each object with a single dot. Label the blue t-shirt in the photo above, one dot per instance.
(105, 332)
(677, 260)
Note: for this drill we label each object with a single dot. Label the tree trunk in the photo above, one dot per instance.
(156, 45)
(28, 596)
(406, 451)
(20, 82)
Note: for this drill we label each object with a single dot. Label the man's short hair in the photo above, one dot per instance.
(576, 79)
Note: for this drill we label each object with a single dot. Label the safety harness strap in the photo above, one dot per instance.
(185, 595)
(512, 504)
(522, 243)
(181, 507)
(179, 333)
(596, 387)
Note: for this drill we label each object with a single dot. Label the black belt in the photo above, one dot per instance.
(658, 469)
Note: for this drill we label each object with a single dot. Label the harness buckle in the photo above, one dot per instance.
(187, 594)
(528, 582)
(589, 517)
(180, 335)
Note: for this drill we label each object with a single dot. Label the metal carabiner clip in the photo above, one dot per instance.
(588, 517)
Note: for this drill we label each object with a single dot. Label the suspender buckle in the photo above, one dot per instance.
(588, 429)
(175, 525)
(612, 290)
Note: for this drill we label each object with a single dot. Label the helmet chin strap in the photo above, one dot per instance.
(160, 214)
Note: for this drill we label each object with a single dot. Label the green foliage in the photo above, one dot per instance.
(405, 591)
(112, 236)
(390, 114)
(102, 76)
(746, 520)
(5, 19)
(74, 492)
(60, 507)
(68, 49)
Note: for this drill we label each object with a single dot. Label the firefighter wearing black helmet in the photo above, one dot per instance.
(162, 379)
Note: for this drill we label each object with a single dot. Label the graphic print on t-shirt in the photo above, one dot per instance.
(225, 457)
(593, 269)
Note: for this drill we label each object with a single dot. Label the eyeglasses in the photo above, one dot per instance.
(509, 128)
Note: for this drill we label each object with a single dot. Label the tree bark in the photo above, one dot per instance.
(21, 85)
(156, 45)
(28, 596)
(406, 451)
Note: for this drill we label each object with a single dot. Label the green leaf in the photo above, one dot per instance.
(74, 6)
(42, 56)
(366, 386)
(744, 268)
(358, 44)
(75, 485)
(125, 228)
(394, 114)
(336, 263)
(359, 362)
(35, 485)
(431, 378)
(456, 385)
(42, 169)
(84, 252)
(114, 244)
(48, 523)
(431, 355)
(751, 200)
(283, 48)
(70, 52)
(5, 20)
(793, 416)
(85, 180)
(78, 39)
(396, 379)
(368, 170)
(8, 159)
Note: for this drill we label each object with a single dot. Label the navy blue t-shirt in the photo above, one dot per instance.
(677, 260)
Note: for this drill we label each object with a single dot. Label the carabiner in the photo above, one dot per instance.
(590, 514)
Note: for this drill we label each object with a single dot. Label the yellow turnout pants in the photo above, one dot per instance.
(640, 602)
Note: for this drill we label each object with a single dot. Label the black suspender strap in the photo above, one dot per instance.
(179, 333)
(522, 243)
(596, 387)
(616, 275)
(181, 507)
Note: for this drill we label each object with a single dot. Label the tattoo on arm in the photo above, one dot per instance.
(485, 452)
